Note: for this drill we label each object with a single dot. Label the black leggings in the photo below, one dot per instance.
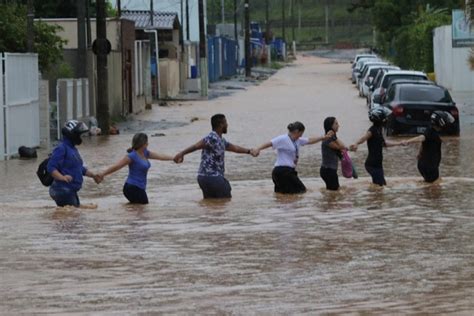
(135, 194)
(330, 178)
(430, 174)
(286, 180)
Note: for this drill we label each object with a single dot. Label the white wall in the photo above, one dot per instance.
(451, 64)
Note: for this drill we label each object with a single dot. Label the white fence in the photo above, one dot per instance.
(19, 103)
(73, 100)
(451, 64)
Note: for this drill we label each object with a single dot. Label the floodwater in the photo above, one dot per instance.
(408, 248)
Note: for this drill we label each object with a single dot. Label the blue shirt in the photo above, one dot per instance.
(67, 161)
(138, 169)
(212, 156)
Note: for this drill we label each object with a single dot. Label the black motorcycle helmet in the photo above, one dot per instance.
(441, 118)
(73, 129)
(379, 114)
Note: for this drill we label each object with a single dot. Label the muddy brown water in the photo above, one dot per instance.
(406, 249)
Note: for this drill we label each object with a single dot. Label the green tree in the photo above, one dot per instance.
(67, 9)
(47, 44)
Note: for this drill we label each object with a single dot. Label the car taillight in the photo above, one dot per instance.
(397, 110)
(454, 112)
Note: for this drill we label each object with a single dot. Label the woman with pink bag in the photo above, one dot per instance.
(331, 150)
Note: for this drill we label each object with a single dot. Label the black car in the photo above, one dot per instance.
(412, 105)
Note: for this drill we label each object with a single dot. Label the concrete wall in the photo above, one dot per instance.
(69, 31)
(169, 81)
(451, 64)
(114, 65)
(44, 114)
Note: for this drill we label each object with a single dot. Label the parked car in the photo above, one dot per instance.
(359, 56)
(412, 105)
(388, 77)
(406, 81)
(356, 70)
(364, 69)
(375, 83)
(369, 77)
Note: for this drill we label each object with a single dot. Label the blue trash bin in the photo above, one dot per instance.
(194, 71)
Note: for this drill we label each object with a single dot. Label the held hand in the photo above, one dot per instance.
(98, 178)
(254, 152)
(67, 178)
(403, 143)
(328, 135)
(178, 158)
(353, 147)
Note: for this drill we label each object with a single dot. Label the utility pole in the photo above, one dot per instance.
(203, 49)
(236, 35)
(119, 8)
(151, 12)
(267, 22)
(283, 31)
(223, 11)
(248, 61)
(187, 20)
(30, 25)
(299, 19)
(81, 69)
(292, 10)
(88, 27)
(102, 75)
(326, 9)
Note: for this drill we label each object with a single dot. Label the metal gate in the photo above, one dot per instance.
(19, 95)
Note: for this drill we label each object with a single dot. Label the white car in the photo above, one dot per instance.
(363, 71)
(388, 78)
(370, 74)
(358, 67)
(359, 56)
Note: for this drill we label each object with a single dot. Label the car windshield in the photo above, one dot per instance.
(421, 93)
(389, 78)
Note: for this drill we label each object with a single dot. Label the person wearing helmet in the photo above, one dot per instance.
(138, 163)
(429, 155)
(375, 144)
(66, 166)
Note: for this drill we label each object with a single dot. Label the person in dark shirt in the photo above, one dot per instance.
(331, 150)
(429, 156)
(375, 144)
(67, 168)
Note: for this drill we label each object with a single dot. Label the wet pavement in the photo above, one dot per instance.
(408, 248)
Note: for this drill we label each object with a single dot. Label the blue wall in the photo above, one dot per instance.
(221, 58)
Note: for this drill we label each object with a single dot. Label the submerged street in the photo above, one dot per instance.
(408, 248)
